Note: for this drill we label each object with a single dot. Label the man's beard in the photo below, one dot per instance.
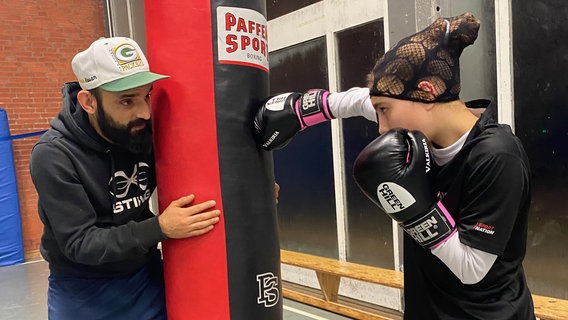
(138, 142)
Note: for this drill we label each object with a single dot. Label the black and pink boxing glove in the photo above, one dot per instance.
(396, 172)
(282, 116)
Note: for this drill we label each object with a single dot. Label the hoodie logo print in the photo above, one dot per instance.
(124, 182)
(134, 185)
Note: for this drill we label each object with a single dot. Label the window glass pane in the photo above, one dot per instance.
(478, 70)
(127, 20)
(369, 230)
(138, 25)
(119, 18)
(541, 113)
(303, 169)
(277, 8)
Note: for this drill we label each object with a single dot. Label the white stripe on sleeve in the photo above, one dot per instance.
(468, 264)
(353, 102)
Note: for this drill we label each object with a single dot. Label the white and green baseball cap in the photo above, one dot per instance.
(113, 64)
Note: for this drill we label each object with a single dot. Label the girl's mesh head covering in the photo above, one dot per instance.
(430, 55)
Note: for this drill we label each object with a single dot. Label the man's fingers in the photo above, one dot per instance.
(199, 232)
(183, 201)
(201, 207)
(200, 224)
(206, 216)
(202, 227)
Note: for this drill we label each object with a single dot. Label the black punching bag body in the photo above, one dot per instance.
(216, 54)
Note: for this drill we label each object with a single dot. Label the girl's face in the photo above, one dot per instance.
(396, 113)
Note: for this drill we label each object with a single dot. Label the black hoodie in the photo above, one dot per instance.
(93, 198)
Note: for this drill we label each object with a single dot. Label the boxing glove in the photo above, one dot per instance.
(396, 172)
(282, 116)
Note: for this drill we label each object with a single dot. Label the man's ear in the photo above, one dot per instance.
(87, 101)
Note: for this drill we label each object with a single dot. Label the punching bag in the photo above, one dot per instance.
(11, 245)
(217, 57)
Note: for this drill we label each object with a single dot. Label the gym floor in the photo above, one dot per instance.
(23, 296)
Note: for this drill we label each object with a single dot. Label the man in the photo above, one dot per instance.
(458, 185)
(94, 174)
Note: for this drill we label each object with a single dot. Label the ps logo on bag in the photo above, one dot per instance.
(394, 198)
(268, 293)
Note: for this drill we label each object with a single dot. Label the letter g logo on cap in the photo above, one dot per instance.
(125, 53)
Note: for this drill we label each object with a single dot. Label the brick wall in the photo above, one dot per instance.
(38, 39)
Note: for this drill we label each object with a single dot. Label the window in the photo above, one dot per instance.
(370, 236)
(541, 113)
(304, 170)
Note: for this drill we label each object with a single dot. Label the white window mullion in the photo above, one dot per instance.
(130, 18)
(338, 158)
(108, 5)
(504, 52)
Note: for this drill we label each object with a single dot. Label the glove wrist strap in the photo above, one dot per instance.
(431, 229)
(313, 108)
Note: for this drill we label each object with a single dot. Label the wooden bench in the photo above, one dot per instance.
(330, 271)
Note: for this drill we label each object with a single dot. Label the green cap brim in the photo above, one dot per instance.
(132, 81)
